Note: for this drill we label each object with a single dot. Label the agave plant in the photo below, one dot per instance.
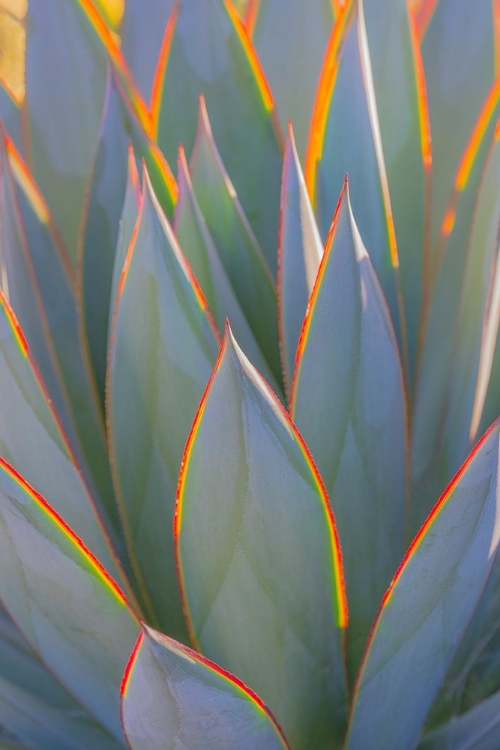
(249, 491)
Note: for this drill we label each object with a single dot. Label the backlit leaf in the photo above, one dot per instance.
(345, 138)
(299, 254)
(71, 613)
(258, 554)
(348, 401)
(224, 68)
(173, 696)
(162, 349)
(427, 607)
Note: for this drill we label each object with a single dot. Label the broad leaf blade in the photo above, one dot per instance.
(172, 695)
(345, 139)
(290, 38)
(348, 401)
(31, 440)
(222, 66)
(69, 609)
(162, 349)
(235, 241)
(299, 254)
(428, 605)
(258, 553)
(193, 234)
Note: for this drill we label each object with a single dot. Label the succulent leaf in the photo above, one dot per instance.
(69, 609)
(299, 254)
(193, 234)
(428, 605)
(31, 439)
(345, 139)
(162, 348)
(223, 67)
(172, 695)
(477, 729)
(235, 241)
(258, 553)
(290, 38)
(348, 401)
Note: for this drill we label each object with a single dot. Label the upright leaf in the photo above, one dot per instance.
(290, 38)
(458, 54)
(235, 241)
(429, 472)
(65, 84)
(69, 609)
(223, 66)
(348, 401)
(428, 605)
(99, 236)
(193, 234)
(345, 138)
(141, 31)
(299, 254)
(162, 349)
(40, 284)
(400, 93)
(172, 695)
(258, 554)
(31, 440)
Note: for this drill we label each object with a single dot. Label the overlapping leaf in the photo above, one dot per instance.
(459, 60)
(31, 440)
(427, 607)
(400, 93)
(299, 254)
(193, 234)
(224, 68)
(39, 282)
(290, 38)
(163, 345)
(345, 138)
(478, 729)
(348, 401)
(172, 695)
(33, 705)
(431, 468)
(65, 85)
(258, 554)
(235, 241)
(71, 613)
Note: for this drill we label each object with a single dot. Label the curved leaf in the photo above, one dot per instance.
(290, 38)
(258, 553)
(162, 348)
(69, 609)
(224, 68)
(477, 729)
(172, 695)
(40, 284)
(235, 241)
(299, 254)
(345, 138)
(193, 234)
(348, 401)
(428, 605)
(31, 439)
